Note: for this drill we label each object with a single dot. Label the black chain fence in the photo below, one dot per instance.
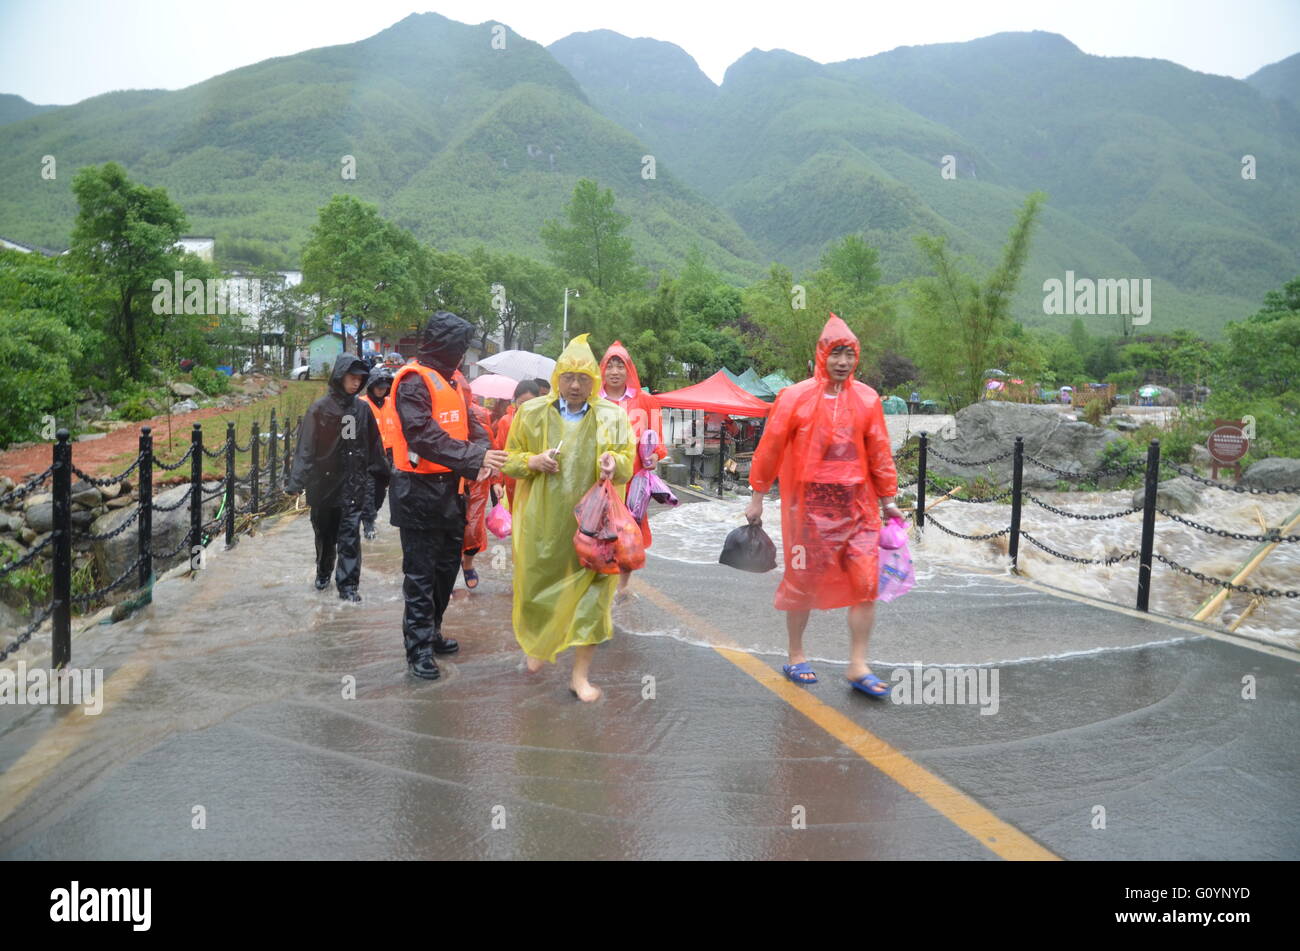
(1146, 554)
(56, 545)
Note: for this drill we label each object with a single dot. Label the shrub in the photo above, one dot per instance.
(211, 382)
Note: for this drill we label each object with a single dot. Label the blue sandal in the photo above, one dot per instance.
(471, 578)
(866, 682)
(792, 671)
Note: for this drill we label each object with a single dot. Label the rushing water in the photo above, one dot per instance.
(694, 534)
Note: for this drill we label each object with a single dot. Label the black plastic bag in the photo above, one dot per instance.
(749, 549)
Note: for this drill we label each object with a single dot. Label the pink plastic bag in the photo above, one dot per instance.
(894, 534)
(646, 485)
(896, 573)
(499, 522)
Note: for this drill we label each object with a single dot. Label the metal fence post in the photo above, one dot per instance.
(920, 481)
(144, 499)
(274, 450)
(62, 486)
(196, 490)
(1017, 478)
(1148, 525)
(230, 484)
(256, 447)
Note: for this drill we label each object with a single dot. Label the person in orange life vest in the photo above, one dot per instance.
(524, 391)
(622, 386)
(826, 439)
(436, 444)
(376, 396)
(478, 494)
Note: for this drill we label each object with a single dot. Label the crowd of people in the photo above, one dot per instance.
(418, 438)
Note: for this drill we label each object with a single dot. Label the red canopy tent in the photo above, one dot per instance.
(717, 394)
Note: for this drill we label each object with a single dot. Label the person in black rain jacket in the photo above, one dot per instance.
(338, 449)
(438, 443)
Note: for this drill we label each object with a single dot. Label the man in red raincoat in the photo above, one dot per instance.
(826, 439)
(622, 385)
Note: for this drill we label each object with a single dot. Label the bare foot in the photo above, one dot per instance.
(534, 664)
(585, 691)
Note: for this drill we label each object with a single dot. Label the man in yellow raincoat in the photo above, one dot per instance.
(559, 446)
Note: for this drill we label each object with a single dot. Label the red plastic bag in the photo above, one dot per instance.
(608, 539)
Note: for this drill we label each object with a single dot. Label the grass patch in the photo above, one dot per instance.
(291, 403)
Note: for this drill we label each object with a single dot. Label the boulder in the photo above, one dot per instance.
(1174, 495)
(111, 491)
(184, 406)
(6, 484)
(39, 498)
(184, 390)
(10, 523)
(115, 555)
(40, 517)
(28, 535)
(81, 518)
(989, 428)
(83, 493)
(1201, 456)
(1274, 473)
(1126, 424)
(120, 502)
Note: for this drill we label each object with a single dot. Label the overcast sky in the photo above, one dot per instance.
(63, 51)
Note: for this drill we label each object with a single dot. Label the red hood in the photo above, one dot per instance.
(836, 333)
(616, 349)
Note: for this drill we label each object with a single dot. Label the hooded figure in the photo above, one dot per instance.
(437, 443)
(833, 457)
(558, 603)
(643, 412)
(339, 451)
(379, 389)
(826, 438)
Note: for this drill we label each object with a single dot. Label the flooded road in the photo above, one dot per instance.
(693, 534)
(248, 716)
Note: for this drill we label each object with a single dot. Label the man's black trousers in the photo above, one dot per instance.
(430, 562)
(338, 537)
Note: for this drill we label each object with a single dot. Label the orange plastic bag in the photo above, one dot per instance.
(608, 539)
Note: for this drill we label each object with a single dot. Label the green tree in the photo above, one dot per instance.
(38, 352)
(361, 266)
(853, 263)
(963, 324)
(591, 246)
(125, 239)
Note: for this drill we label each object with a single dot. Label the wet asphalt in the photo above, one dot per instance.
(283, 722)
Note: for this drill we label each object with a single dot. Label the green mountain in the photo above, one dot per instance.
(459, 140)
(13, 108)
(1141, 159)
(464, 143)
(1280, 80)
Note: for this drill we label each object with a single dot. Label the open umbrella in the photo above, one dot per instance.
(1148, 391)
(519, 365)
(995, 372)
(993, 384)
(493, 386)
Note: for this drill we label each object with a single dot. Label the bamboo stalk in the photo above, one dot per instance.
(1253, 561)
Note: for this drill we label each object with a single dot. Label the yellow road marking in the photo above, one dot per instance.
(69, 732)
(997, 836)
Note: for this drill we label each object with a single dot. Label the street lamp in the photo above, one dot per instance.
(564, 337)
